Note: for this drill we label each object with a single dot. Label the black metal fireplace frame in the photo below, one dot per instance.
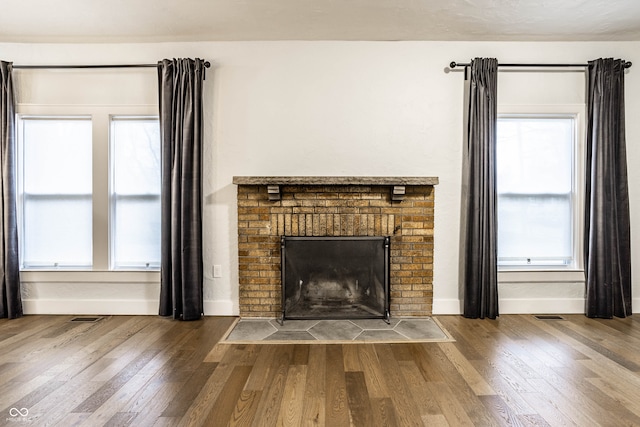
(385, 240)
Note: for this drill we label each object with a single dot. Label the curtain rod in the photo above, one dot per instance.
(207, 64)
(453, 64)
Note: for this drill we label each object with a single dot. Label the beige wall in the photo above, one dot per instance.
(330, 108)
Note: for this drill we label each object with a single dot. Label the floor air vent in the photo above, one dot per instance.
(549, 317)
(86, 319)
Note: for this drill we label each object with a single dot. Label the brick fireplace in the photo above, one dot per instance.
(399, 207)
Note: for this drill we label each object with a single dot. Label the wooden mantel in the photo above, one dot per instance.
(334, 180)
(273, 183)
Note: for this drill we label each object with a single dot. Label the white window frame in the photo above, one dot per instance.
(20, 130)
(101, 120)
(112, 204)
(561, 273)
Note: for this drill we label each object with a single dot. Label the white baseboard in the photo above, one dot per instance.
(87, 306)
(228, 308)
(220, 308)
(447, 306)
(114, 307)
(550, 306)
(521, 306)
(541, 306)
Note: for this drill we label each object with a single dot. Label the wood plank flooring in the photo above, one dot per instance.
(150, 371)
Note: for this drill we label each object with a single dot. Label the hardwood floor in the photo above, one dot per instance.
(150, 371)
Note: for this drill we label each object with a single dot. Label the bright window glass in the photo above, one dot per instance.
(56, 192)
(135, 192)
(535, 190)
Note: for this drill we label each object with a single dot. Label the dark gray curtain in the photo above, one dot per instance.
(180, 98)
(607, 247)
(479, 252)
(11, 300)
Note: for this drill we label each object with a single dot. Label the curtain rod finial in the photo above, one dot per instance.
(628, 64)
(452, 64)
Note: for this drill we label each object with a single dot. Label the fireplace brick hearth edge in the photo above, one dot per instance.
(399, 207)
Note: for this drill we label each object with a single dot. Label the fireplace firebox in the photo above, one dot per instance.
(335, 277)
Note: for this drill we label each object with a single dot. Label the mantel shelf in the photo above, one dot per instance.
(398, 183)
(334, 180)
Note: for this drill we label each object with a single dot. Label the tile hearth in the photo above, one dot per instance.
(360, 330)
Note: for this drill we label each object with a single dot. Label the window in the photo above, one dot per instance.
(89, 191)
(55, 185)
(135, 192)
(536, 190)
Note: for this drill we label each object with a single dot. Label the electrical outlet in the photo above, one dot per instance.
(217, 270)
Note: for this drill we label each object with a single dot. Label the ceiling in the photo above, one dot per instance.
(114, 21)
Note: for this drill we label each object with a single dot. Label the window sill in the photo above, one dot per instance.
(540, 276)
(70, 276)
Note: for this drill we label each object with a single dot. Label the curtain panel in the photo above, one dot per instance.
(607, 250)
(479, 252)
(180, 84)
(10, 298)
